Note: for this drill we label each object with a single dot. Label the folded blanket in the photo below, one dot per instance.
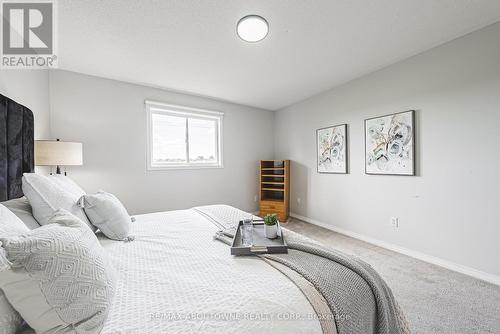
(358, 297)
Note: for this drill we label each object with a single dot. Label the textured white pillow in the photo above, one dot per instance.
(47, 196)
(108, 214)
(60, 279)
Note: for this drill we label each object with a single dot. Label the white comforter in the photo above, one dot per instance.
(174, 278)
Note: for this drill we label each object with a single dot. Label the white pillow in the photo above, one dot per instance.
(22, 209)
(10, 226)
(67, 184)
(60, 279)
(47, 196)
(10, 320)
(108, 214)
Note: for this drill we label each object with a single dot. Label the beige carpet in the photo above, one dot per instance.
(435, 300)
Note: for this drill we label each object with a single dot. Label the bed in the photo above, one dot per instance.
(175, 277)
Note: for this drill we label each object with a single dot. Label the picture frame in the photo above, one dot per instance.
(332, 149)
(390, 144)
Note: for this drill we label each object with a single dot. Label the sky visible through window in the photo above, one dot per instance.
(169, 139)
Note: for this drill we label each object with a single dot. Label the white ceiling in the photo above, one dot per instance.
(313, 45)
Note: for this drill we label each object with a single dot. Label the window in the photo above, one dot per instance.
(182, 137)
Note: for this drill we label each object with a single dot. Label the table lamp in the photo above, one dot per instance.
(58, 153)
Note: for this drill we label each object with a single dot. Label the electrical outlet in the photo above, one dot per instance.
(255, 198)
(395, 222)
(298, 200)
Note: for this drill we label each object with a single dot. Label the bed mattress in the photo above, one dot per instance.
(174, 278)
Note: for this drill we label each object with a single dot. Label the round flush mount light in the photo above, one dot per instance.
(252, 28)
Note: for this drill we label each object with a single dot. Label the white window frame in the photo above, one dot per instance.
(154, 107)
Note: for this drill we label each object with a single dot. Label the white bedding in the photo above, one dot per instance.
(174, 278)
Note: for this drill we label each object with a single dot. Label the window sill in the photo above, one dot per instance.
(185, 167)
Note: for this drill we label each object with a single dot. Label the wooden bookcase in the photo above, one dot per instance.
(274, 181)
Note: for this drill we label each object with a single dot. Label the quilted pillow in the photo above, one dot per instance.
(60, 279)
(46, 196)
(108, 214)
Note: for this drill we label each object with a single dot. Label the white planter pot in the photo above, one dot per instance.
(271, 231)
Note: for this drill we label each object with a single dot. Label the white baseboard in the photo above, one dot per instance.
(490, 278)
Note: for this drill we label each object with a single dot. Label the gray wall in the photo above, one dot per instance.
(109, 118)
(31, 89)
(451, 209)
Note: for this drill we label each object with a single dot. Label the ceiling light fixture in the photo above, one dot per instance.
(252, 28)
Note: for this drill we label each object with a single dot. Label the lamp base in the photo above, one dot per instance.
(58, 171)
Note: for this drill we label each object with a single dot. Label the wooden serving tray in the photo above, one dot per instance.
(261, 244)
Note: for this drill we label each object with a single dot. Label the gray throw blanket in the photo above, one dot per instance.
(358, 297)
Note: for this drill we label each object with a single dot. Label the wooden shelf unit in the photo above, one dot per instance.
(274, 186)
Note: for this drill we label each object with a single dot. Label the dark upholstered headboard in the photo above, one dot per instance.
(16, 147)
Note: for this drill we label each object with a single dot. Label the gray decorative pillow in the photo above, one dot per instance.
(60, 278)
(108, 214)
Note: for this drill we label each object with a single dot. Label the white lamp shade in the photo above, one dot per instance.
(58, 153)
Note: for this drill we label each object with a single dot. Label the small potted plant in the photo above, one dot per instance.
(271, 226)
